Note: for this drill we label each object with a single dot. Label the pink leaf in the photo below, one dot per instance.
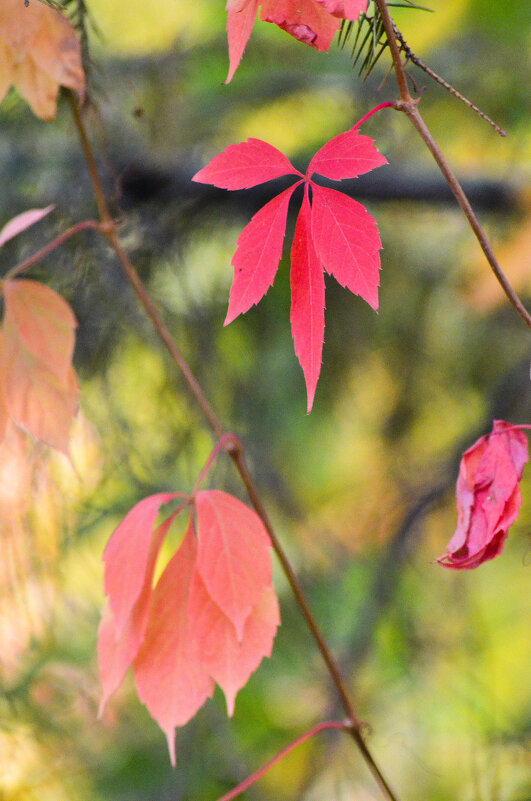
(346, 156)
(258, 254)
(116, 652)
(240, 20)
(127, 556)
(170, 679)
(488, 496)
(244, 165)
(234, 556)
(43, 321)
(307, 300)
(344, 9)
(347, 241)
(227, 660)
(21, 222)
(306, 20)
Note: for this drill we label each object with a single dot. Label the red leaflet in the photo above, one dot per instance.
(346, 156)
(247, 164)
(212, 616)
(344, 9)
(258, 254)
(234, 558)
(335, 232)
(307, 300)
(240, 20)
(488, 496)
(347, 241)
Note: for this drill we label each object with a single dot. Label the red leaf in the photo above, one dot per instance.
(258, 254)
(307, 300)
(346, 156)
(347, 241)
(244, 165)
(127, 556)
(117, 650)
(240, 20)
(234, 556)
(306, 20)
(170, 679)
(21, 222)
(227, 660)
(344, 9)
(488, 496)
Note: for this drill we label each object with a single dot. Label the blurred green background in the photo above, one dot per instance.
(361, 491)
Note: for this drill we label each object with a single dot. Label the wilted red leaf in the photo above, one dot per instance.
(39, 51)
(229, 661)
(342, 237)
(170, 678)
(21, 222)
(488, 496)
(344, 9)
(307, 300)
(234, 554)
(306, 20)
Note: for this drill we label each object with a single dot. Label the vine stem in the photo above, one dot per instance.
(410, 107)
(254, 777)
(86, 225)
(233, 447)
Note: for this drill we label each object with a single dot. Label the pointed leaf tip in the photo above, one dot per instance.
(245, 165)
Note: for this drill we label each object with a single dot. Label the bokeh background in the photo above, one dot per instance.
(361, 491)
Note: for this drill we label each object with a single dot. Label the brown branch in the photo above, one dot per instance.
(233, 447)
(410, 107)
(51, 246)
(411, 56)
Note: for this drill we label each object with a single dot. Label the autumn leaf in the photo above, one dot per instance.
(334, 233)
(22, 221)
(39, 51)
(488, 496)
(39, 385)
(313, 22)
(211, 617)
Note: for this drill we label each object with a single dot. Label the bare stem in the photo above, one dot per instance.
(234, 448)
(410, 107)
(411, 56)
(51, 246)
(329, 724)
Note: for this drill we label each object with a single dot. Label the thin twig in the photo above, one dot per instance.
(51, 246)
(327, 725)
(234, 448)
(411, 56)
(410, 107)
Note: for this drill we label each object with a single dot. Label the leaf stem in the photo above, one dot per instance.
(51, 246)
(254, 777)
(410, 107)
(373, 111)
(234, 448)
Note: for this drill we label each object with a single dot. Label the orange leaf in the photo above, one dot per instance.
(228, 661)
(169, 676)
(234, 556)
